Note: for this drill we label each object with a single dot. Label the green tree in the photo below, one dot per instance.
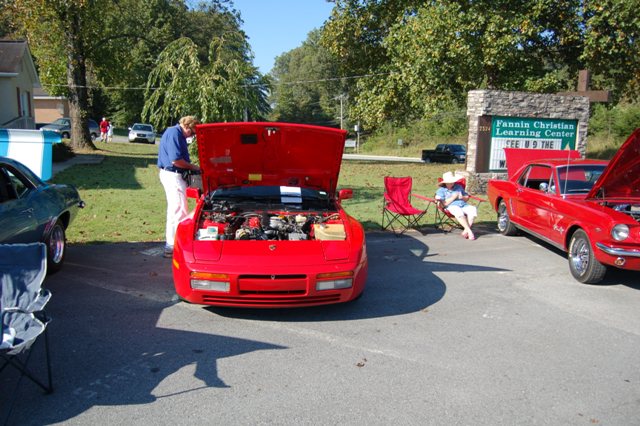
(428, 55)
(144, 29)
(305, 88)
(611, 48)
(103, 51)
(61, 35)
(224, 88)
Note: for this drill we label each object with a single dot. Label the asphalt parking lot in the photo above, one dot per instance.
(449, 331)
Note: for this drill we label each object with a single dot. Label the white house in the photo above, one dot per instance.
(18, 78)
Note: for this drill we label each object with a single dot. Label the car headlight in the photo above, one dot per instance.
(620, 232)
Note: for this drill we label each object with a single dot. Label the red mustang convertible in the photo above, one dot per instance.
(588, 208)
(268, 229)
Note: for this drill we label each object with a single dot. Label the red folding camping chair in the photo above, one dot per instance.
(397, 210)
(444, 220)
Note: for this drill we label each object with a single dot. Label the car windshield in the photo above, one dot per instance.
(578, 179)
(287, 197)
(143, 127)
(61, 121)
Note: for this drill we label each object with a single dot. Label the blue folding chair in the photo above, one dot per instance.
(23, 268)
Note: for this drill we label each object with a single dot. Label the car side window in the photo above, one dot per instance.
(19, 185)
(6, 187)
(536, 175)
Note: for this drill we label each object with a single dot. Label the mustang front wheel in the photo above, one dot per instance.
(582, 263)
(504, 223)
(56, 247)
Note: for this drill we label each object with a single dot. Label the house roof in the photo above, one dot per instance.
(40, 93)
(12, 53)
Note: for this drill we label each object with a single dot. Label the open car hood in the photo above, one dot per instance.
(621, 177)
(240, 154)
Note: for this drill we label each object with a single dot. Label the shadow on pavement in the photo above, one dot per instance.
(106, 345)
(402, 279)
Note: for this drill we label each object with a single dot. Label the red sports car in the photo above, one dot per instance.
(588, 208)
(268, 229)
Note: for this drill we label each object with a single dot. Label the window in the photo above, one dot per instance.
(536, 175)
(578, 179)
(20, 187)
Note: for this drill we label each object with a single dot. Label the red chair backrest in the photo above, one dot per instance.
(397, 190)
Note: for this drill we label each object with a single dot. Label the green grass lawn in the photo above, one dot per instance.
(125, 200)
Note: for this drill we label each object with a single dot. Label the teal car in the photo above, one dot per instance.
(35, 211)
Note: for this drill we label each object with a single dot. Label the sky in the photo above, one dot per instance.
(278, 26)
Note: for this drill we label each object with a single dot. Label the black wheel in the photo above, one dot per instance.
(94, 136)
(427, 160)
(582, 263)
(65, 135)
(56, 248)
(454, 161)
(504, 223)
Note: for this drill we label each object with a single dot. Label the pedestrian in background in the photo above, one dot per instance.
(110, 132)
(173, 160)
(104, 128)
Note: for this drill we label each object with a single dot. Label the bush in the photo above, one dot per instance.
(618, 122)
(61, 152)
(444, 127)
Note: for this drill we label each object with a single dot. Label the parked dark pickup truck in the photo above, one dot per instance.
(445, 153)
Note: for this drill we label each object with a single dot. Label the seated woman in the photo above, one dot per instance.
(453, 198)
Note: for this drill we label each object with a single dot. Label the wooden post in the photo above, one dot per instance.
(584, 82)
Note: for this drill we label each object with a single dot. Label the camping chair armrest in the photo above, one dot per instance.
(5, 311)
(422, 197)
(478, 199)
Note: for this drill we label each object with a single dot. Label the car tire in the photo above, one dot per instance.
(427, 160)
(56, 243)
(504, 222)
(94, 137)
(582, 262)
(454, 161)
(65, 135)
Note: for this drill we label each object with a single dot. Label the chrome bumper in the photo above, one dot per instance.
(618, 251)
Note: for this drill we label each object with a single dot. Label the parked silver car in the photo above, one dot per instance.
(63, 127)
(142, 133)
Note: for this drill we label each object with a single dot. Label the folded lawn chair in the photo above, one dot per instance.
(445, 220)
(22, 300)
(397, 210)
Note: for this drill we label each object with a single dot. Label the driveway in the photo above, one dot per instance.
(449, 331)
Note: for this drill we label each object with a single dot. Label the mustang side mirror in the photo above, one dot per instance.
(345, 194)
(193, 192)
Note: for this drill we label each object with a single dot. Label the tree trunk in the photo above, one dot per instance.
(77, 81)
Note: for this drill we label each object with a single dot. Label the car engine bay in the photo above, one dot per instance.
(223, 221)
(632, 210)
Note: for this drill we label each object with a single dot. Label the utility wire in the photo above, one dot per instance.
(290, 83)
